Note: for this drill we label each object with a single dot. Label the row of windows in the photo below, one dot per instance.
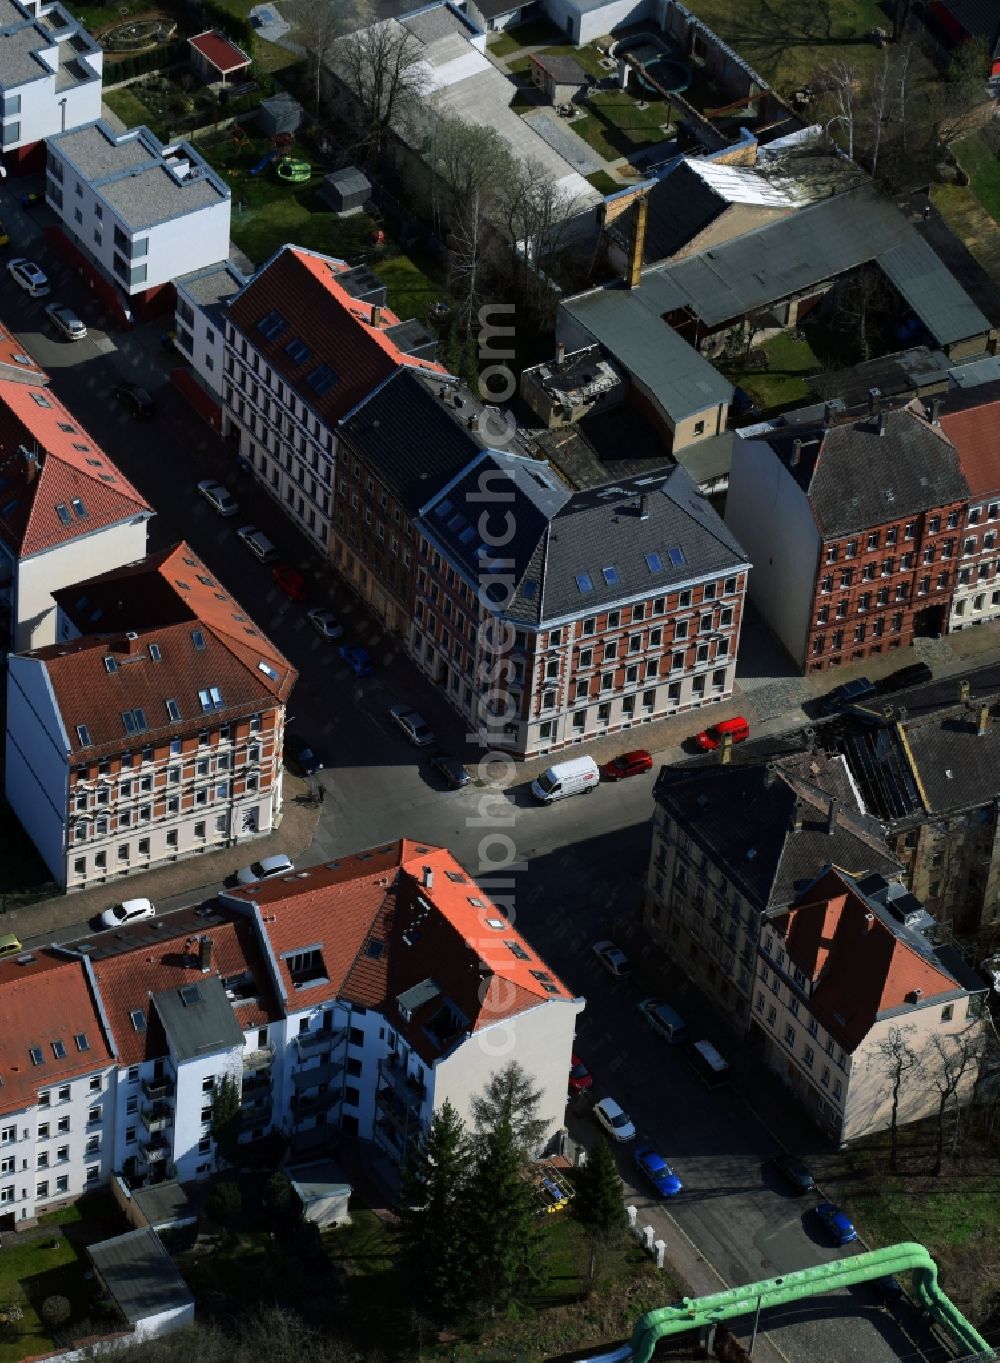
(875, 540)
(128, 786)
(146, 754)
(285, 395)
(836, 637)
(124, 850)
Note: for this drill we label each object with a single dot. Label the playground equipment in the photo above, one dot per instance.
(552, 1192)
(294, 172)
(263, 163)
(694, 1313)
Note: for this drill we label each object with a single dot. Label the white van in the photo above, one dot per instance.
(566, 778)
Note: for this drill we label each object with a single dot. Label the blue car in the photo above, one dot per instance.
(657, 1170)
(357, 660)
(837, 1223)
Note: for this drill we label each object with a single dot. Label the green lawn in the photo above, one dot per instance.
(783, 382)
(524, 35)
(615, 126)
(131, 110)
(603, 182)
(983, 167)
(969, 220)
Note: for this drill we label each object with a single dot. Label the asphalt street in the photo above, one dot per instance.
(578, 866)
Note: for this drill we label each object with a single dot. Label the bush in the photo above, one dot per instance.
(55, 1311)
(224, 1204)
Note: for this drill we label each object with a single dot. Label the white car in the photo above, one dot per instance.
(264, 869)
(612, 958)
(412, 725)
(325, 623)
(64, 319)
(258, 543)
(128, 911)
(219, 497)
(615, 1122)
(28, 276)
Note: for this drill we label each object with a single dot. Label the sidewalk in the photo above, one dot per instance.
(187, 876)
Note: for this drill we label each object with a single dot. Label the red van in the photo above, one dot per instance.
(710, 739)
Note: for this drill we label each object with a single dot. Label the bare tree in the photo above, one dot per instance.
(536, 217)
(900, 18)
(881, 99)
(955, 1057)
(842, 84)
(382, 68)
(317, 25)
(896, 1059)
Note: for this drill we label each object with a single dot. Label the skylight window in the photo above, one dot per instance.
(676, 555)
(83, 735)
(79, 508)
(173, 711)
(529, 590)
(374, 949)
(298, 350)
(154, 653)
(140, 718)
(266, 668)
(469, 533)
(610, 575)
(321, 379)
(37, 1058)
(62, 511)
(59, 1050)
(198, 639)
(272, 325)
(138, 1018)
(190, 995)
(443, 510)
(211, 698)
(498, 924)
(516, 949)
(584, 582)
(82, 448)
(41, 400)
(82, 1044)
(65, 426)
(128, 719)
(654, 563)
(110, 664)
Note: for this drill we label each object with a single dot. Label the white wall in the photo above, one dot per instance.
(37, 769)
(771, 517)
(587, 25)
(40, 575)
(190, 1098)
(151, 1327)
(206, 351)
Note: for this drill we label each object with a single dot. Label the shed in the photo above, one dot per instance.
(140, 1278)
(282, 113)
(215, 58)
(323, 1192)
(560, 78)
(345, 190)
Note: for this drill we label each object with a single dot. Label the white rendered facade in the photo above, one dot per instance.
(50, 73)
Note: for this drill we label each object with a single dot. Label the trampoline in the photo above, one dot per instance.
(672, 75)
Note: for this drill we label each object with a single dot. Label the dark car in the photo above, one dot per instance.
(916, 674)
(300, 755)
(794, 1172)
(848, 694)
(135, 398)
(451, 771)
(580, 1078)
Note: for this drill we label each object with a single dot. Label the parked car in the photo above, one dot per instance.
(451, 771)
(28, 276)
(258, 543)
(662, 1018)
(847, 694)
(657, 1170)
(737, 728)
(357, 659)
(580, 1078)
(300, 755)
(219, 497)
(794, 1172)
(413, 726)
(265, 869)
(325, 623)
(836, 1223)
(914, 674)
(290, 581)
(64, 319)
(128, 911)
(615, 1122)
(628, 764)
(136, 399)
(612, 958)
(9, 945)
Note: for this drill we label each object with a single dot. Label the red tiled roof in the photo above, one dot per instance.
(45, 1001)
(224, 55)
(127, 981)
(973, 432)
(858, 966)
(337, 329)
(23, 368)
(69, 470)
(164, 600)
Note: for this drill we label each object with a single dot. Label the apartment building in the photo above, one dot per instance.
(351, 999)
(152, 730)
(306, 340)
(855, 530)
(200, 321)
(853, 959)
(400, 445)
(592, 612)
(50, 77)
(57, 1086)
(969, 420)
(66, 510)
(734, 842)
(139, 210)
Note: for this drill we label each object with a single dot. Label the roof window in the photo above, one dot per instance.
(138, 1018)
(198, 639)
(154, 653)
(65, 426)
(173, 711)
(271, 325)
(37, 1058)
(584, 582)
(298, 350)
(83, 735)
(110, 664)
(264, 667)
(517, 950)
(211, 698)
(41, 400)
(82, 1044)
(59, 1050)
(79, 508)
(654, 563)
(610, 575)
(190, 995)
(676, 555)
(62, 511)
(321, 379)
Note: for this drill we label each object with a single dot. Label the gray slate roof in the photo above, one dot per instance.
(414, 439)
(140, 1275)
(855, 478)
(198, 1019)
(743, 815)
(681, 204)
(572, 553)
(212, 285)
(956, 767)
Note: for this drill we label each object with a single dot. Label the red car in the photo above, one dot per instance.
(737, 728)
(629, 764)
(580, 1078)
(290, 581)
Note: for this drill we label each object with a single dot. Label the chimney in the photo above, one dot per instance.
(869, 922)
(827, 413)
(32, 463)
(963, 691)
(984, 720)
(131, 641)
(935, 416)
(644, 507)
(205, 954)
(881, 423)
(831, 817)
(873, 400)
(638, 244)
(726, 751)
(376, 315)
(560, 351)
(428, 878)
(769, 775)
(796, 454)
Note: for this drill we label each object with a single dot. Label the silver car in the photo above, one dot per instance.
(265, 869)
(258, 543)
(414, 726)
(219, 497)
(64, 319)
(325, 623)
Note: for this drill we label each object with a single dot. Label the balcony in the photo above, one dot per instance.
(260, 1059)
(155, 1151)
(156, 1117)
(257, 1082)
(311, 1104)
(408, 1088)
(257, 1113)
(309, 1044)
(156, 1089)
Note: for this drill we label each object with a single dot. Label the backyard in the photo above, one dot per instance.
(774, 374)
(616, 124)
